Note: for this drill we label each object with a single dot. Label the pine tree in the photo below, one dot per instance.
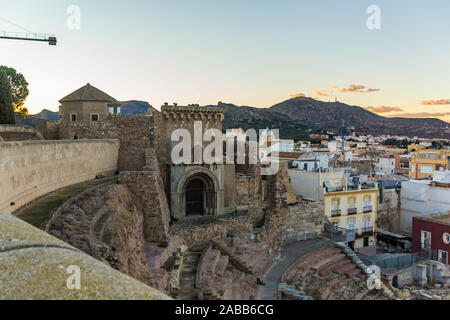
(6, 106)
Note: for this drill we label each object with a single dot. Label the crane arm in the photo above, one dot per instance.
(50, 38)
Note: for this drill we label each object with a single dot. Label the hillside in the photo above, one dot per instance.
(294, 115)
(134, 107)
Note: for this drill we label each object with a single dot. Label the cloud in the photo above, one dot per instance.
(297, 95)
(421, 115)
(435, 102)
(358, 88)
(321, 93)
(383, 109)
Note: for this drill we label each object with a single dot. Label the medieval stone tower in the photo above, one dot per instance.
(196, 188)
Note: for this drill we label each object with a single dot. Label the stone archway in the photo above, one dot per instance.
(197, 193)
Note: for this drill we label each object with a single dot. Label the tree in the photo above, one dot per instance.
(19, 89)
(6, 106)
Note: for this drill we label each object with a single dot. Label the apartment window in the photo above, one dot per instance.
(425, 240)
(73, 117)
(351, 224)
(443, 256)
(367, 206)
(94, 117)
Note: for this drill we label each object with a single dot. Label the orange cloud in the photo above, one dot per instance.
(422, 115)
(297, 95)
(321, 93)
(358, 88)
(383, 109)
(435, 102)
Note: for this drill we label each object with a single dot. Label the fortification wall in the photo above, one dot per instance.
(9, 132)
(30, 169)
(134, 133)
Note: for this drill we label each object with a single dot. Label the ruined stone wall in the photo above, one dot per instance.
(250, 194)
(216, 230)
(304, 221)
(10, 132)
(148, 187)
(134, 134)
(30, 169)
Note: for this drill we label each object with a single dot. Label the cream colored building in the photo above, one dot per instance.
(87, 104)
(354, 211)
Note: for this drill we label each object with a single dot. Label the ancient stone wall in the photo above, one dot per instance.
(30, 169)
(304, 221)
(148, 187)
(216, 230)
(134, 133)
(18, 133)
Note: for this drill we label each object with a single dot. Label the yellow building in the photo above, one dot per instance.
(424, 162)
(354, 212)
(415, 147)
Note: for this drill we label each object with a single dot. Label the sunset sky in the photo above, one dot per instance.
(246, 52)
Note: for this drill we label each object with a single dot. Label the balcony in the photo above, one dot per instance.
(339, 234)
(367, 209)
(336, 213)
(367, 231)
(352, 211)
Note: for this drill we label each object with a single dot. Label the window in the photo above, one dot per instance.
(351, 224)
(335, 204)
(114, 110)
(443, 257)
(73, 117)
(94, 117)
(446, 238)
(425, 240)
(366, 242)
(351, 203)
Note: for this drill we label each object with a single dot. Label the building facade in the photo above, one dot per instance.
(423, 198)
(432, 234)
(354, 210)
(425, 162)
(87, 104)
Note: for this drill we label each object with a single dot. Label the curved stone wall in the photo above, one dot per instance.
(37, 266)
(31, 169)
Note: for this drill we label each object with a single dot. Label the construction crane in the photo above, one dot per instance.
(28, 35)
(50, 38)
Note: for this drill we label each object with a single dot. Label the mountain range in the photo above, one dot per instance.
(294, 115)
(298, 117)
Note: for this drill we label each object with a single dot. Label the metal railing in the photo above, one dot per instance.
(367, 230)
(339, 234)
(367, 209)
(336, 213)
(352, 211)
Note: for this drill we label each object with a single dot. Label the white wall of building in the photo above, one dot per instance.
(419, 199)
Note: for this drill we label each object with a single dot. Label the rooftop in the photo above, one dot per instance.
(89, 93)
(442, 219)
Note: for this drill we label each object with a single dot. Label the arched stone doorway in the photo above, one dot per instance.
(196, 190)
(199, 195)
(195, 195)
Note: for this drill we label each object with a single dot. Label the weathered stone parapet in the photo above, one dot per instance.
(30, 169)
(34, 265)
(193, 113)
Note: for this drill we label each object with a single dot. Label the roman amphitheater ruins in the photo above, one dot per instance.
(108, 188)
